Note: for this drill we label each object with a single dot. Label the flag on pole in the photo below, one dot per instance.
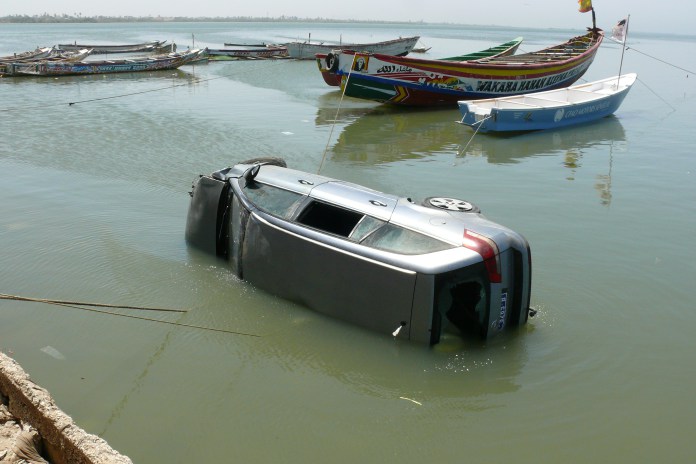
(585, 5)
(618, 32)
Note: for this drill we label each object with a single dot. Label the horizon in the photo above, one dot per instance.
(506, 13)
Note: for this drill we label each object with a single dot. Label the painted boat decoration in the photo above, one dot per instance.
(98, 49)
(248, 53)
(307, 50)
(328, 63)
(64, 68)
(552, 109)
(54, 54)
(420, 82)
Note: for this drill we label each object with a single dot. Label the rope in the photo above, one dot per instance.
(83, 307)
(5, 296)
(340, 102)
(661, 61)
(479, 124)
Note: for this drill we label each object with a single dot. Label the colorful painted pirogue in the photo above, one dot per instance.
(419, 82)
(64, 68)
(328, 63)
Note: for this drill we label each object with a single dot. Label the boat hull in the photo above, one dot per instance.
(329, 63)
(308, 50)
(67, 68)
(548, 110)
(418, 82)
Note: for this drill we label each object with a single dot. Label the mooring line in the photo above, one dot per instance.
(479, 123)
(5, 296)
(86, 307)
(340, 102)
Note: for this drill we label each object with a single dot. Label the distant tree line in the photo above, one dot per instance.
(78, 18)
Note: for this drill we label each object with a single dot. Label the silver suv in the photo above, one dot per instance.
(370, 258)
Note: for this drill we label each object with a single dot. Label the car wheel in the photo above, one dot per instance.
(451, 204)
(268, 160)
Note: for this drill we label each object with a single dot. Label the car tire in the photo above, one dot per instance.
(268, 160)
(451, 204)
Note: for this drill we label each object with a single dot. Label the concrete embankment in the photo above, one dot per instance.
(34, 429)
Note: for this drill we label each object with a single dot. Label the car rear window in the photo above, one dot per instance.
(404, 241)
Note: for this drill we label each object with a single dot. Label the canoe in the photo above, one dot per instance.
(307, 50)
(420, 82)
(548, 110)
(37, 54)
(328, 64)
(249, 53)
(98, 49)
(64, 68)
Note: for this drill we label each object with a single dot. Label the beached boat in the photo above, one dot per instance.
(98, 49)
(420, 82)
(328, 63)
(49, 53)
(141, 64)
(248, 53)
(37, 54)
(548, 110)
(307, 50)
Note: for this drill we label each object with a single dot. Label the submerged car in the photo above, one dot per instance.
(366, 257)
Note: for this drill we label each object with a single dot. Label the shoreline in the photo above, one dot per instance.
(34, 429)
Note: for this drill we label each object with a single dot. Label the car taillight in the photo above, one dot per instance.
(488, 251)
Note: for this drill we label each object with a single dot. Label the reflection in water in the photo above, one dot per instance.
(389, 134)
(572, 142)
(332, 109)
(502, 149)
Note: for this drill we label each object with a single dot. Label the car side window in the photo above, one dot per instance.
(273, 200)
(365, 227)
(329, 218)
(404, 241)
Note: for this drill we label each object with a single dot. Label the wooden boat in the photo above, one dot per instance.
(328, 63)
(548, 110)
(37, 54)
(120, 48)
(308, 49)
(141, 64)
(420, 82)
(248, 53)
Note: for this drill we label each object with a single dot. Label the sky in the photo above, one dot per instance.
(671, 16)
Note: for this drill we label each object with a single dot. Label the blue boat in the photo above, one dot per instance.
(547, 110)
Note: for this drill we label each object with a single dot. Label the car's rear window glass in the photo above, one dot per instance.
(407, 242)
(366, 226)
(271, 199)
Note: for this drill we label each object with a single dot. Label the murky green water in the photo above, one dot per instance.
(94, 201)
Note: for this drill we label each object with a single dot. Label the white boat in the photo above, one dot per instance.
(308, 49)
(547, 110)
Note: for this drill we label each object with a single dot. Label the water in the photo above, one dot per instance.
(94, 207)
